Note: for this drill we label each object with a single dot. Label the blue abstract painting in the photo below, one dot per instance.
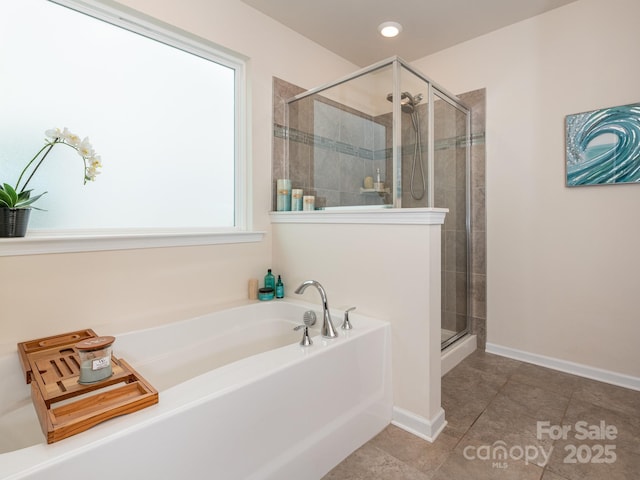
(603, 146)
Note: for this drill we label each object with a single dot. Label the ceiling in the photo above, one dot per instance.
(349, 28)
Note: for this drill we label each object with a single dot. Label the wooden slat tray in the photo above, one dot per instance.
(64, 407)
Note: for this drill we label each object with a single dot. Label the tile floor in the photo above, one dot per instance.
(493, 402)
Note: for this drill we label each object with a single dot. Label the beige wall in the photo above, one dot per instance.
(391, 272)
(563, 264)
(47, 294)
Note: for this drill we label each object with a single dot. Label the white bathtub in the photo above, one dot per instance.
(239, 399)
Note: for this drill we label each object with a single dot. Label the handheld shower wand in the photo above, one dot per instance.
(408, 105)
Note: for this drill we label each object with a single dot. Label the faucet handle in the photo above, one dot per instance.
(346, 324)
(309, 318)
(306, 339)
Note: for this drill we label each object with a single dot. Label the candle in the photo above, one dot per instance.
(95, 359)
(296, 199)
(309, 202)
(283, 199)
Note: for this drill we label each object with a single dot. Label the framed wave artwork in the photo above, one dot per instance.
(603, 146)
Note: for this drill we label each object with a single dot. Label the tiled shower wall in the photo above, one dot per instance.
(328, 145)
(301, 151)
(334, 147)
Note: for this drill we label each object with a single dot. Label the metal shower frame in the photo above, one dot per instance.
(434, 89)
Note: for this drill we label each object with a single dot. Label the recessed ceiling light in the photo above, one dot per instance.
(389, 29)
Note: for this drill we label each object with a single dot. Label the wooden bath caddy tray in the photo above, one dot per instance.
(64, 407)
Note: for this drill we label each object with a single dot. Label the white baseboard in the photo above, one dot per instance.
(456, 352)
(417, 425)
(586, 371)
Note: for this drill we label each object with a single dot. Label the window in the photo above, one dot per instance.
(163, 110)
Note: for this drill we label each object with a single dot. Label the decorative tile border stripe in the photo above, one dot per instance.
(306, 138)
(459, 141)
(280, 131)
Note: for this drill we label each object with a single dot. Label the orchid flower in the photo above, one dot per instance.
(16, 197)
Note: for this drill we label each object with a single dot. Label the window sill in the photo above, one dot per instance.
(42, 242)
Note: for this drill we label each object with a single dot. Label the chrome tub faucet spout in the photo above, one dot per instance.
(328, 330)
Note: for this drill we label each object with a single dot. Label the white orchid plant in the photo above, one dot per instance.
(19, 197)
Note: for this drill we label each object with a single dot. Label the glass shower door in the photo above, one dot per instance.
(451, 172)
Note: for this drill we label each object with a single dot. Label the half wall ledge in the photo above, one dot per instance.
(379, 216)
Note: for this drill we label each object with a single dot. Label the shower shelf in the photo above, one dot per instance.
(373, 190)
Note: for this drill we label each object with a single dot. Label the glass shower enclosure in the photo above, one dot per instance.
(389, 137)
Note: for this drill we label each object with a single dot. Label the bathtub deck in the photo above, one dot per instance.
(64, 406)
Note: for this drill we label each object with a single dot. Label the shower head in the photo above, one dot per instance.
(407, 101)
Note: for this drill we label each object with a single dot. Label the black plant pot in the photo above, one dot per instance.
(14, 221)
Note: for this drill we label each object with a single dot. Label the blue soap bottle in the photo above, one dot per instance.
(269, 280)
(279, 288)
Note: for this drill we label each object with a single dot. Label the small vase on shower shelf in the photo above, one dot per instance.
(378, 185)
